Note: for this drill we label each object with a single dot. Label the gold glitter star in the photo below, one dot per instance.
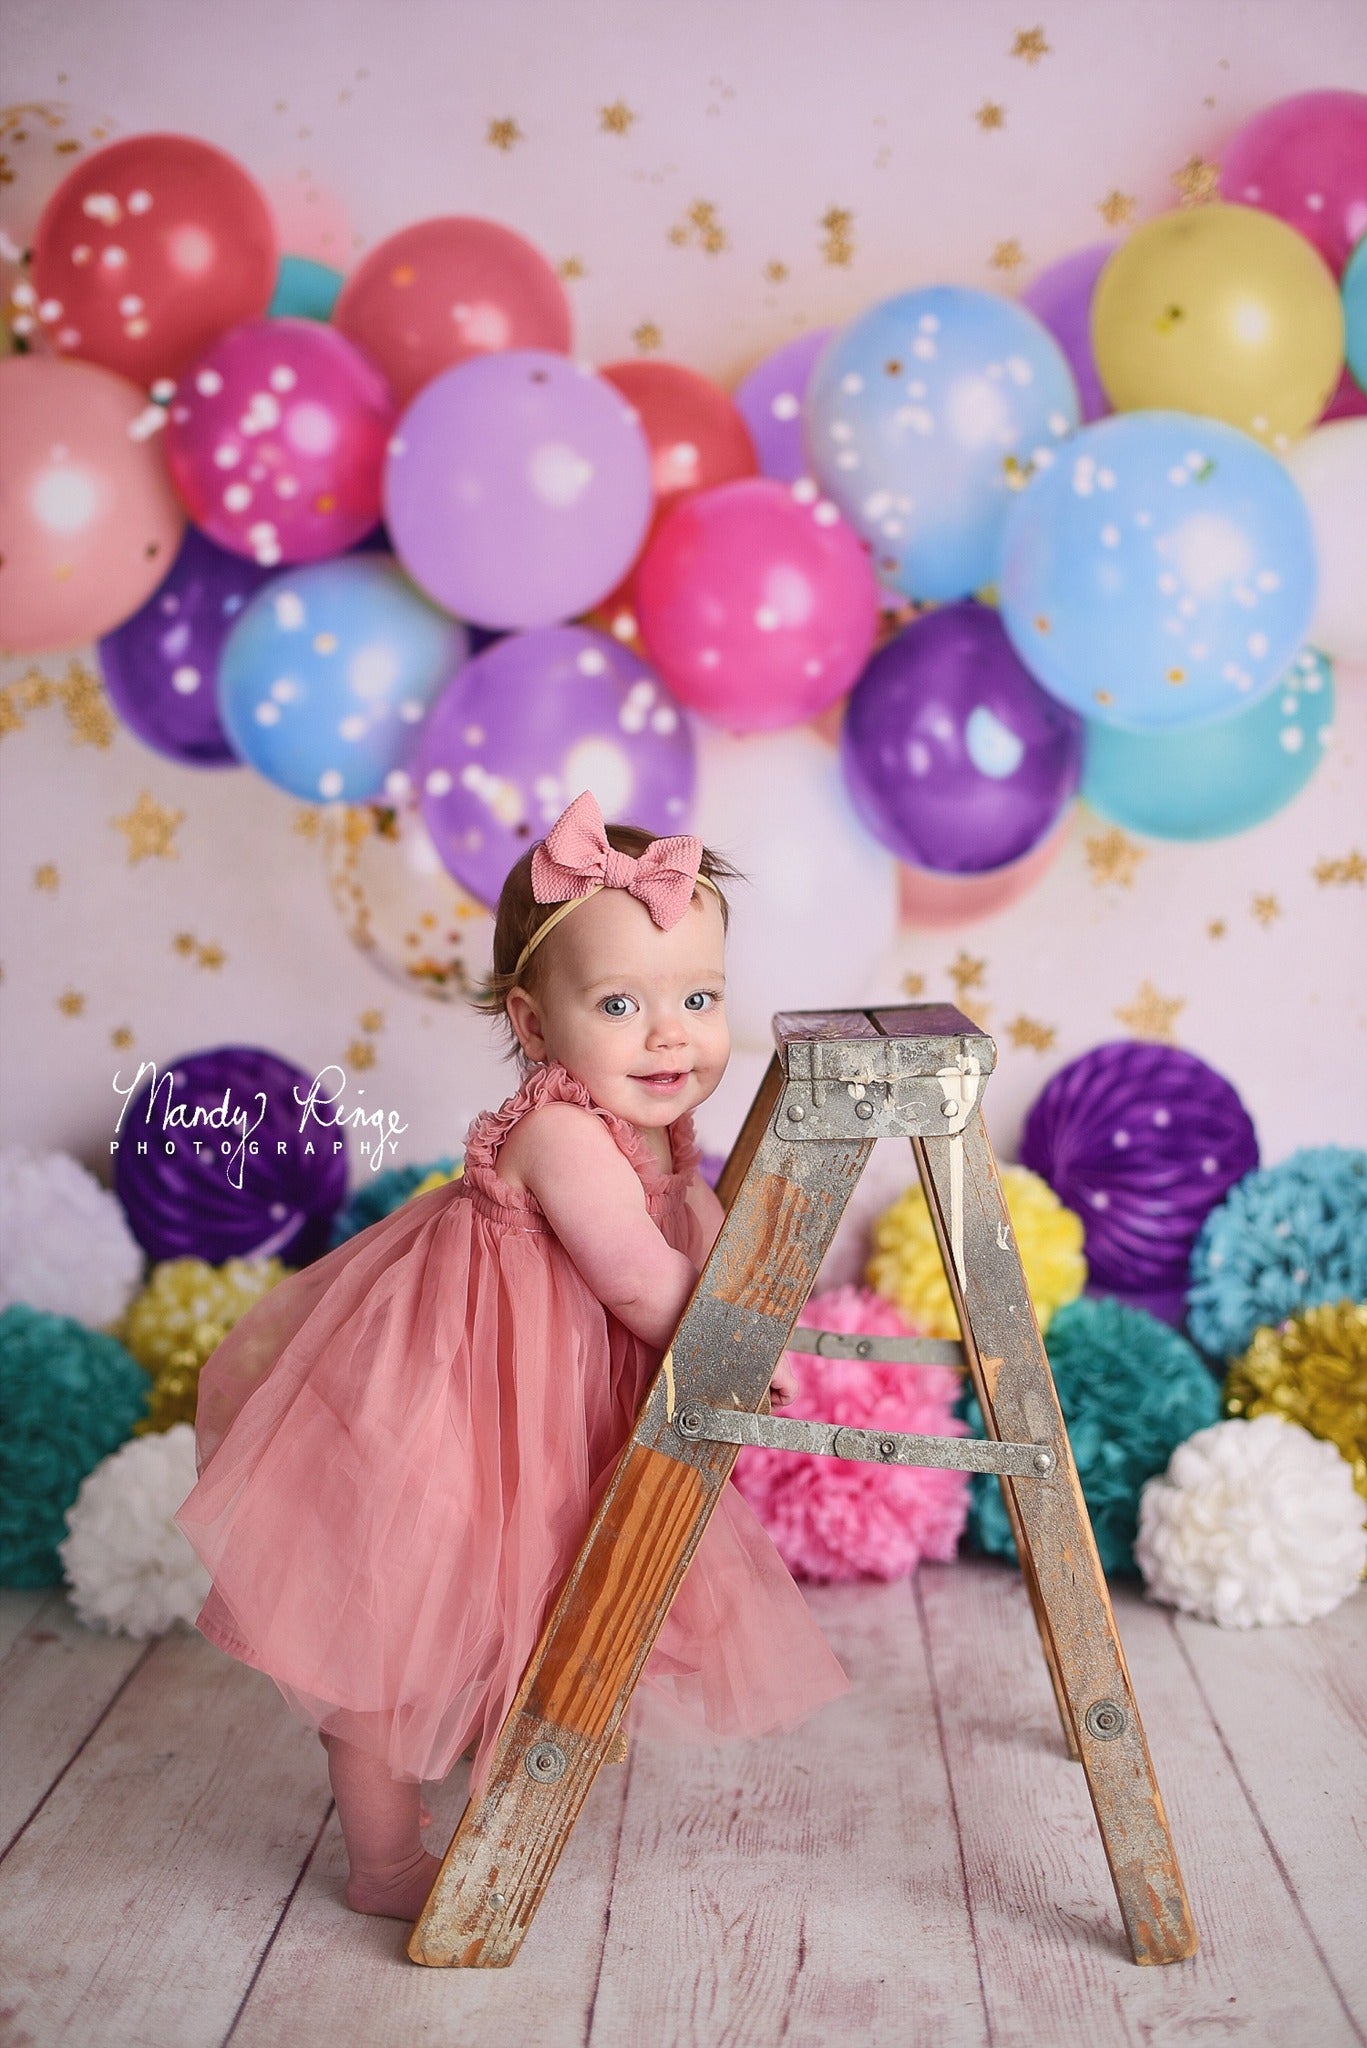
(210, 956)
(121, 1035)
(991, 114)
(1030, 44)
(46, 876)
(647, 336)
(1029, 1032)
(1216, 928)
(616, 119)
(1111, 857)
(1198, 181)
(183, 943)
(837, 241)
(1008, 255)
(1117, 208)
(306, 822)
(1151, 1015)
(1266, 909)
(570, 269)
(966, 973)
(35, 689)
(504, 134)
(360, 1054)
(71, 1003)
(775, 272)
(150, 829)
(1352, 868)
(913, 984)
(11, 717)
(371, 1020)
(87, 708)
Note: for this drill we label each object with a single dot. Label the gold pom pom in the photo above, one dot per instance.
(906, 1267)
(182, 1313)
(1311, 1369)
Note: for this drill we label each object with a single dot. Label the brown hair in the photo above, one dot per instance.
(519, 915)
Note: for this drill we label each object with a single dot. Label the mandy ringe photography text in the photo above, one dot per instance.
(228, 1127)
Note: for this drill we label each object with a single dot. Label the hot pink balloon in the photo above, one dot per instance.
(89, 523)
(441, 291)
(277, 441)
(1305, 159)
(935, 902)
(757, 603)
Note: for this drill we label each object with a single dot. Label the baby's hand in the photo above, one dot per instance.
(783, 1385)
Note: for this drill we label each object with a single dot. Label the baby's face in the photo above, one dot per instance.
(635, 1013)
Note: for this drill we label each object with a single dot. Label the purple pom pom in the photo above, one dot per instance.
(1142, 1141)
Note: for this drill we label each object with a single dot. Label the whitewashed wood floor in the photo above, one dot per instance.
(916, 1866)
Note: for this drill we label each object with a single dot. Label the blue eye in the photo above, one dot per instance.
(617, 1006)
(700, 1000)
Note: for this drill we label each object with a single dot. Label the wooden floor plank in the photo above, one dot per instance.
(1053, 1958)
(1291, 1705)
(18, 1606)
(137, 1902)
(806, 1889)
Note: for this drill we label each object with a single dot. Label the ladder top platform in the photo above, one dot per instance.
(916, 1041)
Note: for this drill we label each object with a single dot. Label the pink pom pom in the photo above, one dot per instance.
(833, 1518)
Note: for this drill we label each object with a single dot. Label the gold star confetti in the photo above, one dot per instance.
(991, 114)
(647, 336)
(46, 876)
(1198, 181)
(121, 1035)
(210, 956)
(1008, 255)
(570, 269)
(35, 689)
(1151, 1015)
(913, 984)
(306, 822)
(966, 973)
(616, 119)
(504, 134)
(1117, 209)
(360, 1054)
(837, 236)
(775, 272)
(700, 228)
(1030, 44)
(371, 1020)
(11, 717)
(150, 829)
(1352, 868)
(183, 943)
(87, 708)
(71, 1003)
(1266, 909)
(1111, 857)
(1216, 928)
(1028, 1032)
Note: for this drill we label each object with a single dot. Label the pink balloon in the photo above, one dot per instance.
(277, 441)
(1349, 401)
(757, 603)
(441, 291)
(1305, 159)
(935, 902)
(89, 523)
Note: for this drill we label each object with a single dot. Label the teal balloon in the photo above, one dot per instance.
(1215, 780)
(304, 290)
(1354, 290)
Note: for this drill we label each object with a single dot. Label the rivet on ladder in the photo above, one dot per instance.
(546, 1761)
(864, 1110)
(1105, 1720)
(1043, 1462)
(497, 1899)
(949, 1109)
(796, 1112)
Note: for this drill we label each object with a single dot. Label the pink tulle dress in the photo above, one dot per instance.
(401, 1448)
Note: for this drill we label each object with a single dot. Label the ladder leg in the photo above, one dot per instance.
(1055, 1540)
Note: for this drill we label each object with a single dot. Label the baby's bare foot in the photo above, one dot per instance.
(396, 1894)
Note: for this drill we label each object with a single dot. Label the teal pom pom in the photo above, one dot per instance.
(384, 1193)
(68, 1397)
(1284, 1239)
(1131, 1391)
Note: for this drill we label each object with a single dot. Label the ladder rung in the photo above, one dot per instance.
(886, 1350)
(876, 1447)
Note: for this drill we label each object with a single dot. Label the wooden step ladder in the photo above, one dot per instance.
(839, 1081)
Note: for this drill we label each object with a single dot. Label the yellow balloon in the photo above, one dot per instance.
(1220, 310)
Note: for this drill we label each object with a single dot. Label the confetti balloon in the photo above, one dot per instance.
(1355, 316)
(161, 666)
(955, 757)
(398, 904)
(148, 251)
(757, 603)
(923, 416)
(1223, 311)
(443, 291)
(277, 441)
(328, 674)
(1061, 297)
(529, 723)
(928, 901)
(1161, 573)
(304, 290)
(38, 141)
(518, 489)
(1221, 778)
(770, 402)
(245, 1156)
(1305, 160)
(1329, 469)
(89, 523)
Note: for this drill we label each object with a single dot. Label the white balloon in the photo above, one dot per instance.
(818, 908)
(1330, 470)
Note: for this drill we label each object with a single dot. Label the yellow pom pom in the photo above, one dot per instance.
(1311, 1369)
(435, 1179)
(182, 1313)
(906, 1267)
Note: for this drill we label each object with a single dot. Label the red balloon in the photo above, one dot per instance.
(696, 434)
(148, 251)
(443, 290)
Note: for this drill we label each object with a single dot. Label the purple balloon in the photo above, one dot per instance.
(954, 756)
(770, 402)
(529, 723)
(267, 1176)
(1142, 1141)
(1061, 297)
(161, 666)
(518, 488)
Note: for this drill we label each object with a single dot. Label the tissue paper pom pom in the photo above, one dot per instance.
(384, 1193)
(185, 1309)
(1312, 1370)
(1142, 1140)
(837, 1518)
(1131, 1390)
(69, 1396)
(1253, 1523)
(129, 1568)
(65, 1245)
(1284, 1239)
(907, 1269)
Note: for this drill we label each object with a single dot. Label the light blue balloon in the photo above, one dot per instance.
(1217, 779)
(327, 676)
(1354, 289)
(1159, 573)
(921, 419)
(304, 290)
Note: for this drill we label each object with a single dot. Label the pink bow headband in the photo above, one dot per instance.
(574, 861)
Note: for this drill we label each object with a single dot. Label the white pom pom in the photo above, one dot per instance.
(1252, 1523)
(65, 1244)
(129, 1568)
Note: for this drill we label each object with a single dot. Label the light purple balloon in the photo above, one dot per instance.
(527, 725)
(770, 402)
(518, 490)
(1061, 297)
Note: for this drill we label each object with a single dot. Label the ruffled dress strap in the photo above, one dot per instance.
(553, 1083)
